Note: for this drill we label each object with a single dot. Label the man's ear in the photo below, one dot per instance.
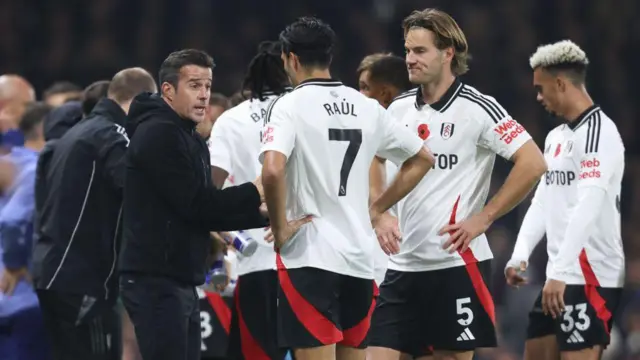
(168, 91)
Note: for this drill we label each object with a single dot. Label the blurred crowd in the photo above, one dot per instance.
(84, 41)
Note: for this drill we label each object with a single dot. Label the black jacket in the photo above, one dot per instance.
(79, 201)
(170, 203)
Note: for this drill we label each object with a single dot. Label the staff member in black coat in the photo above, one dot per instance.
(79, 200)
(170, 205)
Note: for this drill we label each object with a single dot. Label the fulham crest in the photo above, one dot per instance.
(446, 130)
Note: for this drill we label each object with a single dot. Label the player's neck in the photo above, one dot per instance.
(578, 105)
(313, 74)
(434, 91)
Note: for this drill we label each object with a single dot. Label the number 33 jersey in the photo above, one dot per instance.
(330, 134)
(586, 153)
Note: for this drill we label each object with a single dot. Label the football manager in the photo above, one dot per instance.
(170, 205)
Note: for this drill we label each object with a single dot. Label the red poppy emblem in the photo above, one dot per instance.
(423, 131)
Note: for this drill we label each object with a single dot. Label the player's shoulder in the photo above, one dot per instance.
(405, 99)
(597, 128)
(479, 104)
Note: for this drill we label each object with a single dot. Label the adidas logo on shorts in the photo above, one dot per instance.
(575, 338)
(466, 335)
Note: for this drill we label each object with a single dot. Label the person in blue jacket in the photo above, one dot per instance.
(22, 334)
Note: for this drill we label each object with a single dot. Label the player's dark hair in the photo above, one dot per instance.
(447, 34)
(217, 99)
(574, 71)
(34, 115)
(170, 68)
(61, 87)
(266, 72)
(94, 93)
(391, 70)
(367, 61)
(311, 40)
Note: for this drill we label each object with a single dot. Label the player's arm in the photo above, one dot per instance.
(603, 156)
(220, 143)
(510, 140)
(531, 232)
(529, 165)
(377, 178)
(402, 147)
(278, 141)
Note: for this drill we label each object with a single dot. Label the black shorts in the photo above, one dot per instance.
(586, 321)
(318, 307)
(80, 326)
(215, 322)
(449, 309)
(254, 325)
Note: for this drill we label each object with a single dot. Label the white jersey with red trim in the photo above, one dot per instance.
(465, 130)
(234, 146)
(330, 133)
(586, 153)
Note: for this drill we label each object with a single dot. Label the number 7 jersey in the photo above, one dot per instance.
(330, 133)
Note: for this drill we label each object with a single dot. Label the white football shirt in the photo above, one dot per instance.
(234, 146)
(381, 259)
(330, 133)
(586, 153)
(465, 130)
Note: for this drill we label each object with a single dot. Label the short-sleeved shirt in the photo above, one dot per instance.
(465, 130)
(330, 134)
(586, 153)
(234, 146)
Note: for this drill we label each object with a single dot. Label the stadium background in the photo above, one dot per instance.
(84, 41)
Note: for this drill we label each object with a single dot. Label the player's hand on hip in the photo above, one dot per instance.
(461, 234)
(387, 231)
(514, 274)
(553, 298)
(282, 236)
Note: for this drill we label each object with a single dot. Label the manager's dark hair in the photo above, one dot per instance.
(34, 115)
(94, 93)
(170, 68)
(390, 70)
(266, 72)
(311, 39)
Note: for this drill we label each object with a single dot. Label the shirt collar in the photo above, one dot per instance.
(319, 82)
(583, 118)
(445, 101)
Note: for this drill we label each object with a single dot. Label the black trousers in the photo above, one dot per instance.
(166, 316)
(80, 326)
